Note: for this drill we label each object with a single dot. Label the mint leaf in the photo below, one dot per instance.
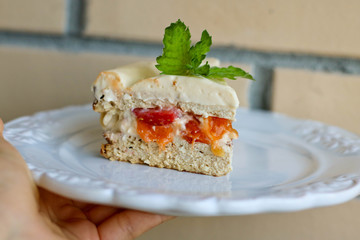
(230, 72)
(176, 50)
(203, 70)
(200, 49)
(179, 58)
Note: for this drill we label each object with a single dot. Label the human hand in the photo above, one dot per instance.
(29, 212)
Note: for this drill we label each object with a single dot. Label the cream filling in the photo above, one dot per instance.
(124, 124)
(121, 127)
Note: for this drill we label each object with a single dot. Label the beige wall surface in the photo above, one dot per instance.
(327, 27)
(329, 98)
(330, 223)
(46, 16)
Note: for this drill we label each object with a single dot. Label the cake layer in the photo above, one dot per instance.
(178, 155)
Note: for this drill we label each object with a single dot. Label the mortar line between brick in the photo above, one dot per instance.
(75, 17)
(260, 91)
(229, 54)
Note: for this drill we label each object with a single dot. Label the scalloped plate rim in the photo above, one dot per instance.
(214, 206)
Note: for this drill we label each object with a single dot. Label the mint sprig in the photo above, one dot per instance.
(180, 58)
(176, 53)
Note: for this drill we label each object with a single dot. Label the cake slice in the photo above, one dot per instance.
(176, 113)
(169, 121)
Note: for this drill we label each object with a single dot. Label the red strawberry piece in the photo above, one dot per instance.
(157, 116)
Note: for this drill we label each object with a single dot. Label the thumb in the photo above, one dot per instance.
(1, 127)
(6, 149)
(11, 160)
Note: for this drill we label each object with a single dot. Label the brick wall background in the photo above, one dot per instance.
(304, 54)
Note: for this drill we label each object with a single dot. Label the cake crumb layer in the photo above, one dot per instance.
(178, 155)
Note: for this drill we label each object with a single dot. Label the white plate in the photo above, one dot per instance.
(280, 164)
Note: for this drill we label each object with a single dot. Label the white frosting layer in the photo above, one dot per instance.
(112, 82)
(143, 81)
(185, 89)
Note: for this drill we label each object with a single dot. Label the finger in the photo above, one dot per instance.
(62, 208)
(64, 213)
(5, 146)
(1, 127)
(9, 155)
(14, 170)
(99, 213)
(129, 224)
(84, 206)
(78, 228)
